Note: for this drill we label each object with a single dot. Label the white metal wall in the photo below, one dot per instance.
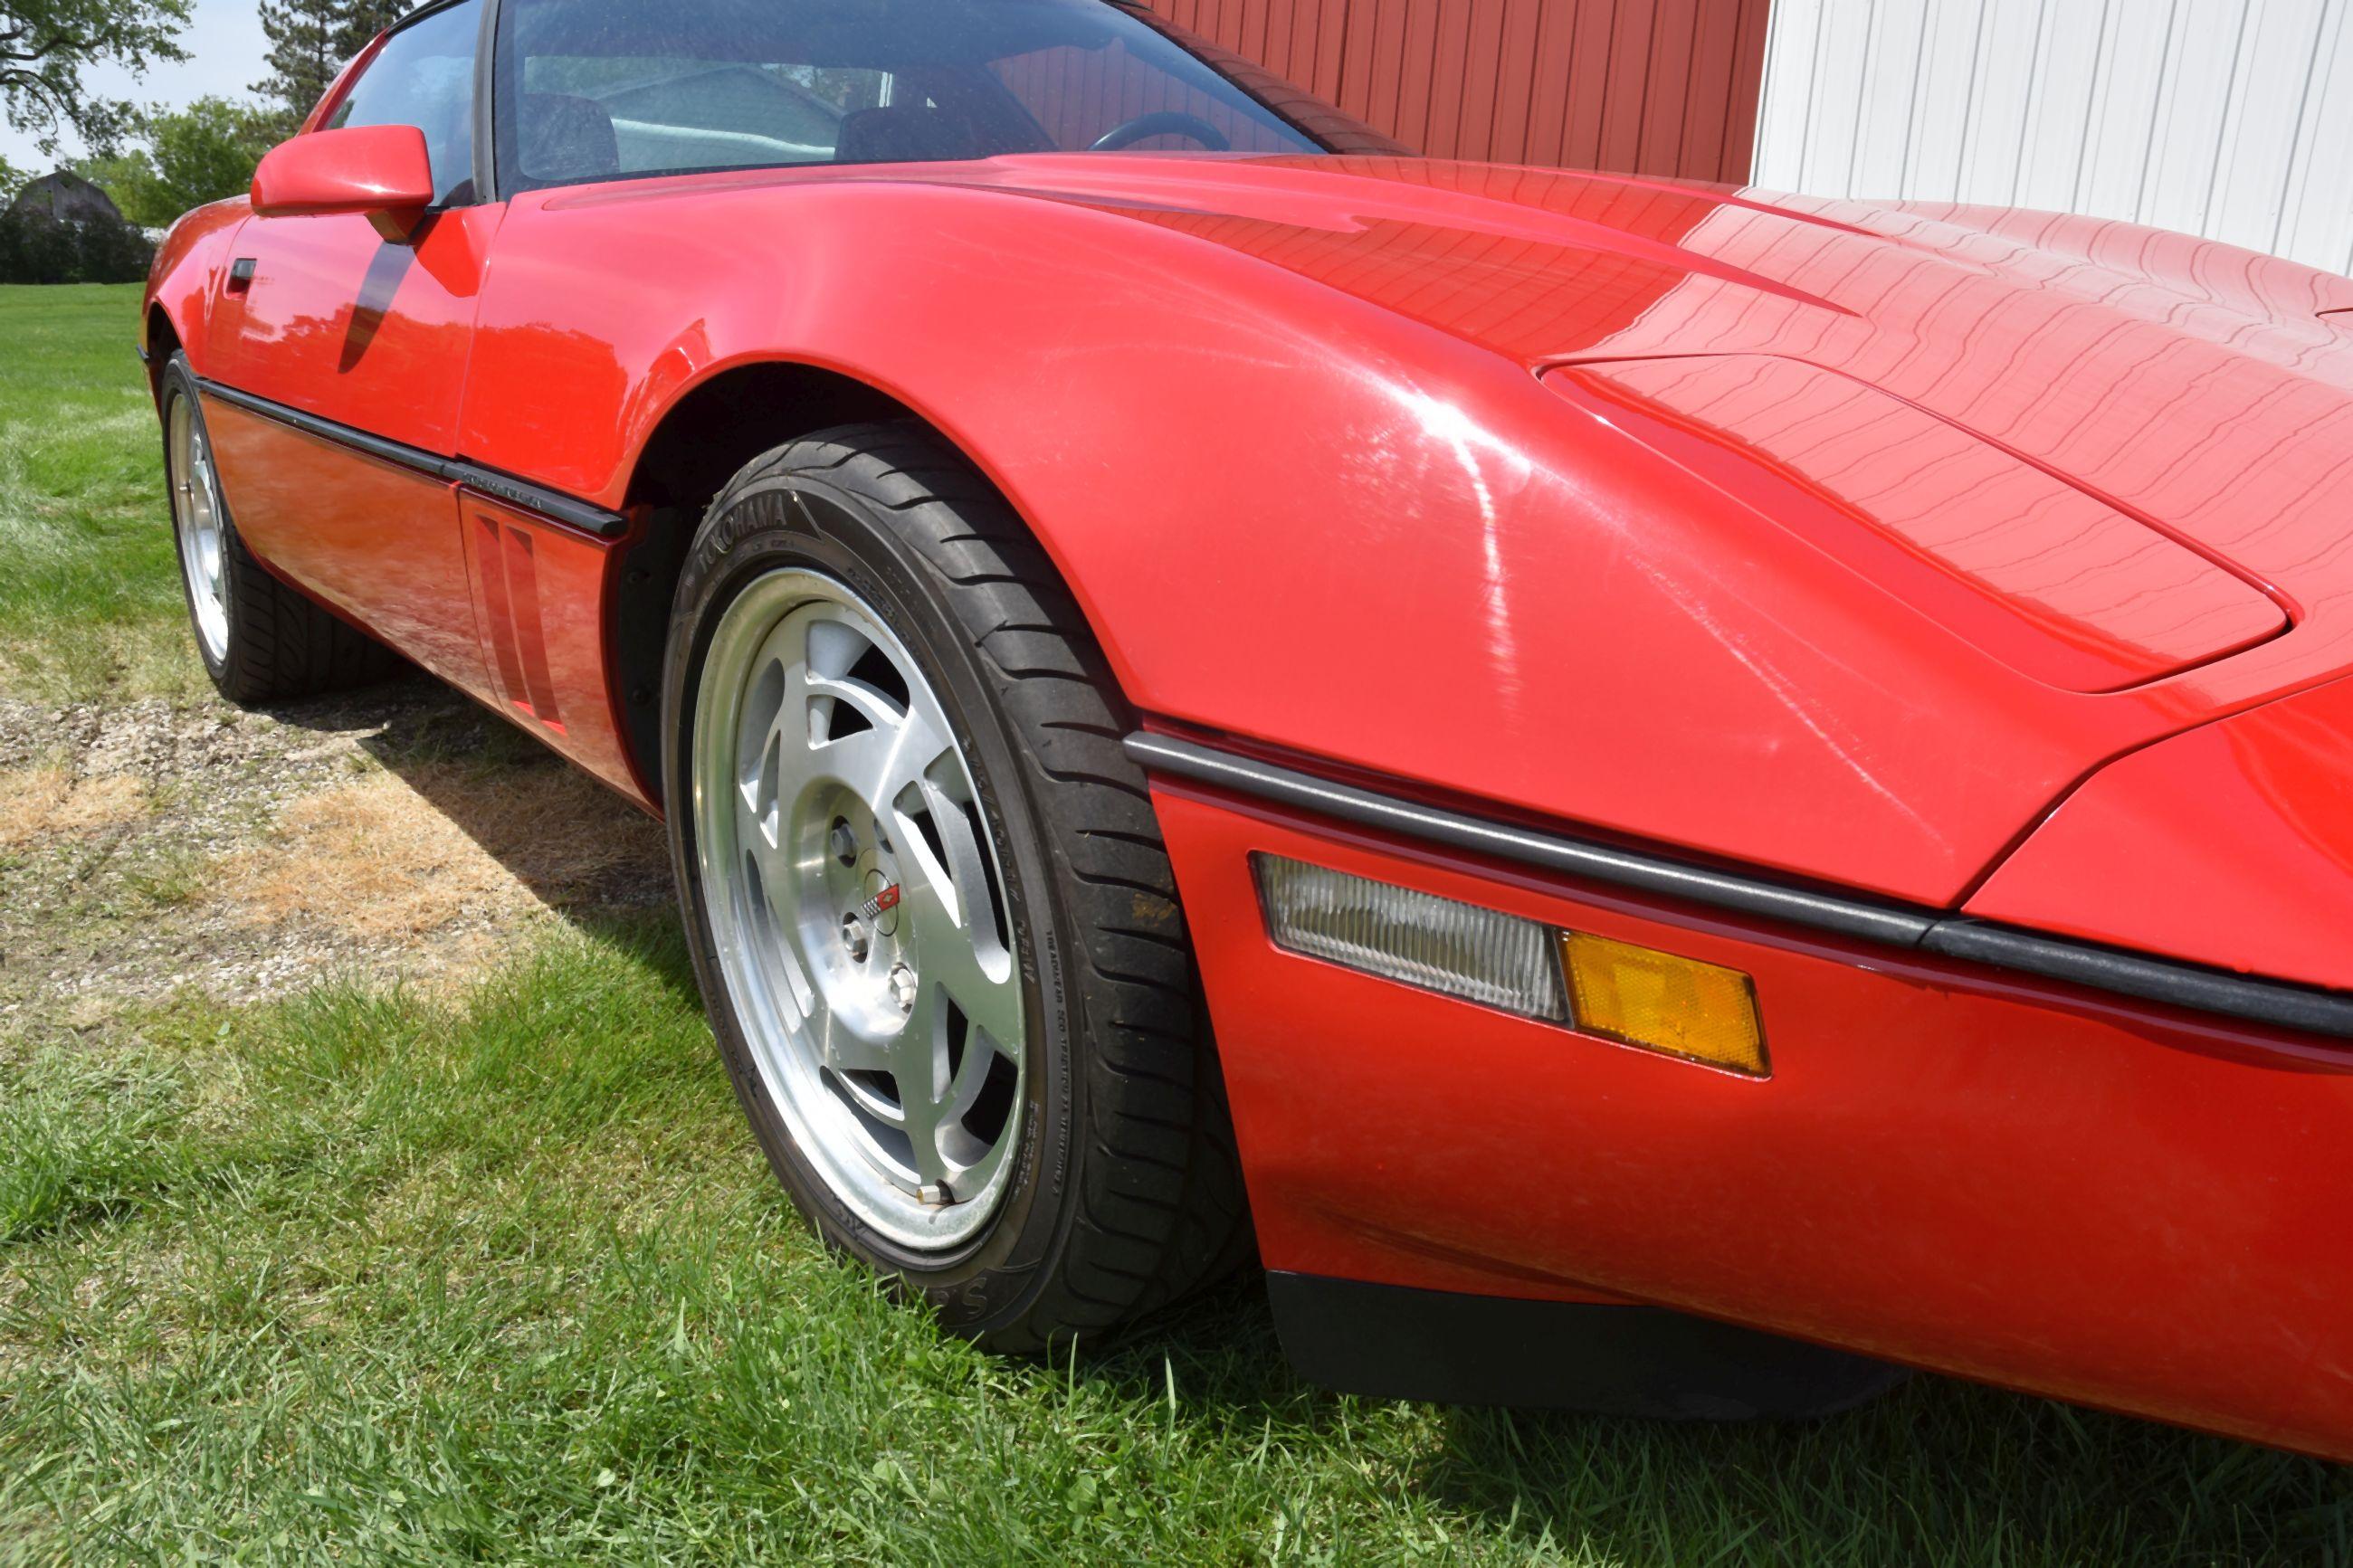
(2231, 119)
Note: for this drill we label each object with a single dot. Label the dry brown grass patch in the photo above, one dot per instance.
(42, 802)
(391, 856)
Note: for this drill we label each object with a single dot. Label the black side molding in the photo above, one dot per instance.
(554, 505)
(2281, 1004)
(1390, 1341)
(2182, 985)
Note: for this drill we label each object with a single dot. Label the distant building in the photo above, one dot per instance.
(66, 196)
(61, 228)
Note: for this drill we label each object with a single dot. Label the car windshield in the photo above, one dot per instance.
(595, 89)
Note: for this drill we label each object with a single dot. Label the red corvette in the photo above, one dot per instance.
(1758, 791)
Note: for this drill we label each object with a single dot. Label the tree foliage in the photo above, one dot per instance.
(45, 46)
(302, 57)
(309, 42)
(191, 156)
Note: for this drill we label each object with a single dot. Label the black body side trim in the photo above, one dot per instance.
(1596, 862)
(2151, 979)
(1390, 1341)
(553, 505)
(2188, 985)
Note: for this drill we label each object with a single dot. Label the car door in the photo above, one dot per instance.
(342, 353)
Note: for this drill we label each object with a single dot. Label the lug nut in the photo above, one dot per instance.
(902, 987)
(845, 844)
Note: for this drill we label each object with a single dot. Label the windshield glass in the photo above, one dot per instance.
(597, 90)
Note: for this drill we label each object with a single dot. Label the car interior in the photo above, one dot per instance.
(593, 89)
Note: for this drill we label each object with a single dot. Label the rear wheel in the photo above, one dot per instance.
(928, 902)
(261, 641)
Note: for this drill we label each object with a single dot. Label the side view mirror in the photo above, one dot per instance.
(382, 171)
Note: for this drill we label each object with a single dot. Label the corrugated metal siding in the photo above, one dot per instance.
(2231, 119)
(1653, 87)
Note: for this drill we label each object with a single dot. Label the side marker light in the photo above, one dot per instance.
(1664, 1003)
(1636, 995)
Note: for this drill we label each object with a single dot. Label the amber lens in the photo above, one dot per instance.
(1664, 1003)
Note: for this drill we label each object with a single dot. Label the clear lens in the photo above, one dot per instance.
(1480, 955)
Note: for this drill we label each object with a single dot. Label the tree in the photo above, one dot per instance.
(302, 61)
(193, 155)
(364, 19)
(45, 44)
(12, 180)
(309, 42)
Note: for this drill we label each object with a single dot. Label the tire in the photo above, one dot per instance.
(259, 640)
(1117, 1188)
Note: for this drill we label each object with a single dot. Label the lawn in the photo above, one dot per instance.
(416, 1222)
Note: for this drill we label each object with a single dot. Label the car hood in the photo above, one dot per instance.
(2204, 394)
(2117, 461)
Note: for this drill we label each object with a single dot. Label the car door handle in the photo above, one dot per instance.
(240, 275)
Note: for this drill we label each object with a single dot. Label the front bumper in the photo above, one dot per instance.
(1981, 1173)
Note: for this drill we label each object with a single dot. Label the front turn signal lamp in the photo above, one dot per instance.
(1635, 995)
(1644, 998)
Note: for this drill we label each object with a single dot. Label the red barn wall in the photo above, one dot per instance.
(1652, 87)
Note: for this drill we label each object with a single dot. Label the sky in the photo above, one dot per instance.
(224, 50)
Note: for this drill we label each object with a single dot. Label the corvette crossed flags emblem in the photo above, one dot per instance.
(888, 898)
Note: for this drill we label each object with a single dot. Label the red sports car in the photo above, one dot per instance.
(1701, 797)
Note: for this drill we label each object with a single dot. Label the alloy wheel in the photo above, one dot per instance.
(857, 905)
(196, 513)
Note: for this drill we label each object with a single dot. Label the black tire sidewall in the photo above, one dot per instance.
(756, 529)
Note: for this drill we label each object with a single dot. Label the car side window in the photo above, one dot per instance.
(424, 76)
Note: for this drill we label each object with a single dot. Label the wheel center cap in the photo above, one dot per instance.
(881, 910)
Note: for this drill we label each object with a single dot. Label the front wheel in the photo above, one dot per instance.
(927, 900)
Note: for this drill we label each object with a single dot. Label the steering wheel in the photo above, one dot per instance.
(1160, 122)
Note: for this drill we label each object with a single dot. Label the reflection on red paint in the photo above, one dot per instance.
(2053, 582)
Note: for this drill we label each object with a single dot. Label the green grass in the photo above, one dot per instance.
(502, 1276)
(367, 1274)
(90, 604)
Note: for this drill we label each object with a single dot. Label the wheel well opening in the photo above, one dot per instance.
(713, 432)
(162, 343)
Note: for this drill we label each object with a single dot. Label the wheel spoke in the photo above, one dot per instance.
(970, 1177)
(921, 1072)
(760, 831)
(848, 1050)
(774, 946)
(878, 764)
(946, 956)
(972, 1074)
